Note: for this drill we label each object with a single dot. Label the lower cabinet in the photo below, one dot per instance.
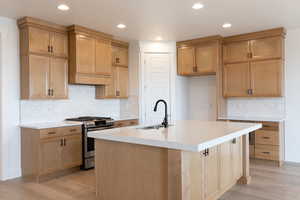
(47, 151)
(212, 172)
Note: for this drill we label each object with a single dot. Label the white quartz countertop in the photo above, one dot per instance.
(192, 135)
(46, 125)
(247, 118)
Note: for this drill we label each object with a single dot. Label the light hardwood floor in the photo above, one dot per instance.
(268, 183)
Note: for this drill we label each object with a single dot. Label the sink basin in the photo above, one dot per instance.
(158, 126)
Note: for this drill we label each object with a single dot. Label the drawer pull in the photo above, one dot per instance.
(266, 152)
(266, 137)
(73, 130)
(51, 133)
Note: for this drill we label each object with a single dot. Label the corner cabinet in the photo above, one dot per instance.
(49, 151)
(118, 85)
(198, 57)
(90, 56)
(254, 64)
(44, 59)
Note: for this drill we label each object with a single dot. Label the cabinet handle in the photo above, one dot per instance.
(51, 133)
(117, 60)
(73, 130)
(249, 91)
(195, 69)
(266, 137)
(234, 141)
(62, 142)
(117, 93)
(206, 152)
(49, 92)
(251, 55)
(49, 48)
(266, 152)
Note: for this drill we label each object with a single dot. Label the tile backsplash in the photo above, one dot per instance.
(256, 107)
(81, 102)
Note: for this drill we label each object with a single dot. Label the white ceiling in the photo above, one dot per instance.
(170, 19)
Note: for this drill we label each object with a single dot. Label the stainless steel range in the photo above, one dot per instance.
(88, 144)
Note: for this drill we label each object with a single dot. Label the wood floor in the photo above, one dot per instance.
(268, 183)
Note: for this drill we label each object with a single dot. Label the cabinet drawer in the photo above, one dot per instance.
(72, 130)
(270, 126)
(126, 123)
(267, 152)
(267, 137)
(49, 133)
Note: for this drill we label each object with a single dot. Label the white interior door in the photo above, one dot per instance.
(156, 86)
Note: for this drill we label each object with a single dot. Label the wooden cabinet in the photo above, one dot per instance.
(48, 151)
(120, 56)
(117, 87)
(50, 155)
(91, 56)
(44, 66)
(236, 52)
(263, 54)
(212, 174)
(266, 78)
(226, 165)
(72, 151)
(199, 56)
(236, 80)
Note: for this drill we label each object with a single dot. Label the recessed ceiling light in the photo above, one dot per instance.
(121, 26)
(198, 6)
(158, 38)
(63, 7)
(226, 25)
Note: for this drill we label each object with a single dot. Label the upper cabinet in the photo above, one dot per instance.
(118, 85)
(44, 59)
(198, 57)
(90, 56)
(253, 64)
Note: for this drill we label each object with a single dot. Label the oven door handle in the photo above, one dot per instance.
(100, 129)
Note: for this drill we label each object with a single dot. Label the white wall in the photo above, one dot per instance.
(292, 130)
(202, 98)
(10, 137)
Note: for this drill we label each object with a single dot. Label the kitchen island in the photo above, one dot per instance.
(191, 160)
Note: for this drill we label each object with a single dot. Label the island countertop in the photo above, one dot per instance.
(186, 135)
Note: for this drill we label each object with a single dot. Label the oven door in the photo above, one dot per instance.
(89, 149)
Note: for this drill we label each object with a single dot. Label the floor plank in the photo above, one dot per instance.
(268, 183)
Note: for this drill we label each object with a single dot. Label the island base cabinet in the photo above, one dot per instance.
(146, 172)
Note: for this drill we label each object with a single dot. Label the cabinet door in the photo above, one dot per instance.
(207, 58)
(72, 151)
(236, 80)
(39, 68)
(39, 41)
(50, 155)
(121, 81)
(237, 158)
(236, 52)
(186, 61)
(103, 57)
(266, 78)
(226, 171)
(267, 48)
(59, 43)
(59, 78)
(212, 174)
(85, 54)
(120, 56)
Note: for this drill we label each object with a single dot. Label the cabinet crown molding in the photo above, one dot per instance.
(199, 40)
(38, 23)
(119, 43)
(86, 31)
(256, 35)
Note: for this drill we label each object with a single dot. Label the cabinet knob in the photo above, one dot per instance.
(117, 60)
(250, 91)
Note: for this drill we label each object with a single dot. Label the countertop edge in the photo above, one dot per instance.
(252, 119)
(174, 145)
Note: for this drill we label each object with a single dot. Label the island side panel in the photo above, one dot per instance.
(246, 178)
(130, 172)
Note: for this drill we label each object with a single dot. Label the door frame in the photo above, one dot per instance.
(142, 70)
